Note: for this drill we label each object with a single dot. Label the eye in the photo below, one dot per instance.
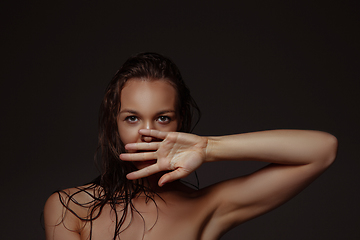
(163, 119)
(131, 119)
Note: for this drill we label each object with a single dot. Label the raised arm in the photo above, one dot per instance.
(183, 153)
(297, 157)
(292, 147)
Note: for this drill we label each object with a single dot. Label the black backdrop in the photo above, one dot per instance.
(251, 66)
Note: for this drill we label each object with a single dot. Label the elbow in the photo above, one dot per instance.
(329, 149)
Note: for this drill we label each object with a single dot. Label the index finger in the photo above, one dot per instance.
(153, 133)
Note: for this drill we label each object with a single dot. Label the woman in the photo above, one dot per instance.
(145, 150)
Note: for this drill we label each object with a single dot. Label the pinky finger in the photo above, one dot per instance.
(145, 172)
(172, 176)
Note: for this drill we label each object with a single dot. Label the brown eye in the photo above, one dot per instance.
(131, 119)
(164, 119)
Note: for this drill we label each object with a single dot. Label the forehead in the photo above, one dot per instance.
(138, 94)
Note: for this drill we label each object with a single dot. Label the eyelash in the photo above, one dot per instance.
(168, 119)
(131, 119)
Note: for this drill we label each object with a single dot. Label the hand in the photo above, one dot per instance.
(179, 153)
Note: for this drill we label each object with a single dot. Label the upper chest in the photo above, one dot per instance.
(169, 217)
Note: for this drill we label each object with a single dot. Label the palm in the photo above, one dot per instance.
(179, 153)
(181, 150)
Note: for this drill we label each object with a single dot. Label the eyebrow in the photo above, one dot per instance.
(135, 112)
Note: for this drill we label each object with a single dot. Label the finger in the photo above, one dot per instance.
(142, 146)
(172, 176)
(138, 156)
(145, 172)
(153, 133)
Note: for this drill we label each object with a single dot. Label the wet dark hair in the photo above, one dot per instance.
(112, 187)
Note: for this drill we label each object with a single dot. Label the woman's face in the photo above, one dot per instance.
(146, 105)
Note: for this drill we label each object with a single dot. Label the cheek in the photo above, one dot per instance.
(128, 134)
(172, 127)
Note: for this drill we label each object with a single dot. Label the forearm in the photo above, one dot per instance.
(276, 146)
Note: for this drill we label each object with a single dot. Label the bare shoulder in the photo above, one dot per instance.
(64, 210)
(76, 199)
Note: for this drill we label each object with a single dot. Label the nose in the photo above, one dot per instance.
(146, 139)
(148, 125)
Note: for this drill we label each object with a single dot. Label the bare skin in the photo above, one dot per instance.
(147, 123)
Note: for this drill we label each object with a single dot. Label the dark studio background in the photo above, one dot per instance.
(251, 66)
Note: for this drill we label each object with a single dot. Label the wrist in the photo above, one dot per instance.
(210, 150)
